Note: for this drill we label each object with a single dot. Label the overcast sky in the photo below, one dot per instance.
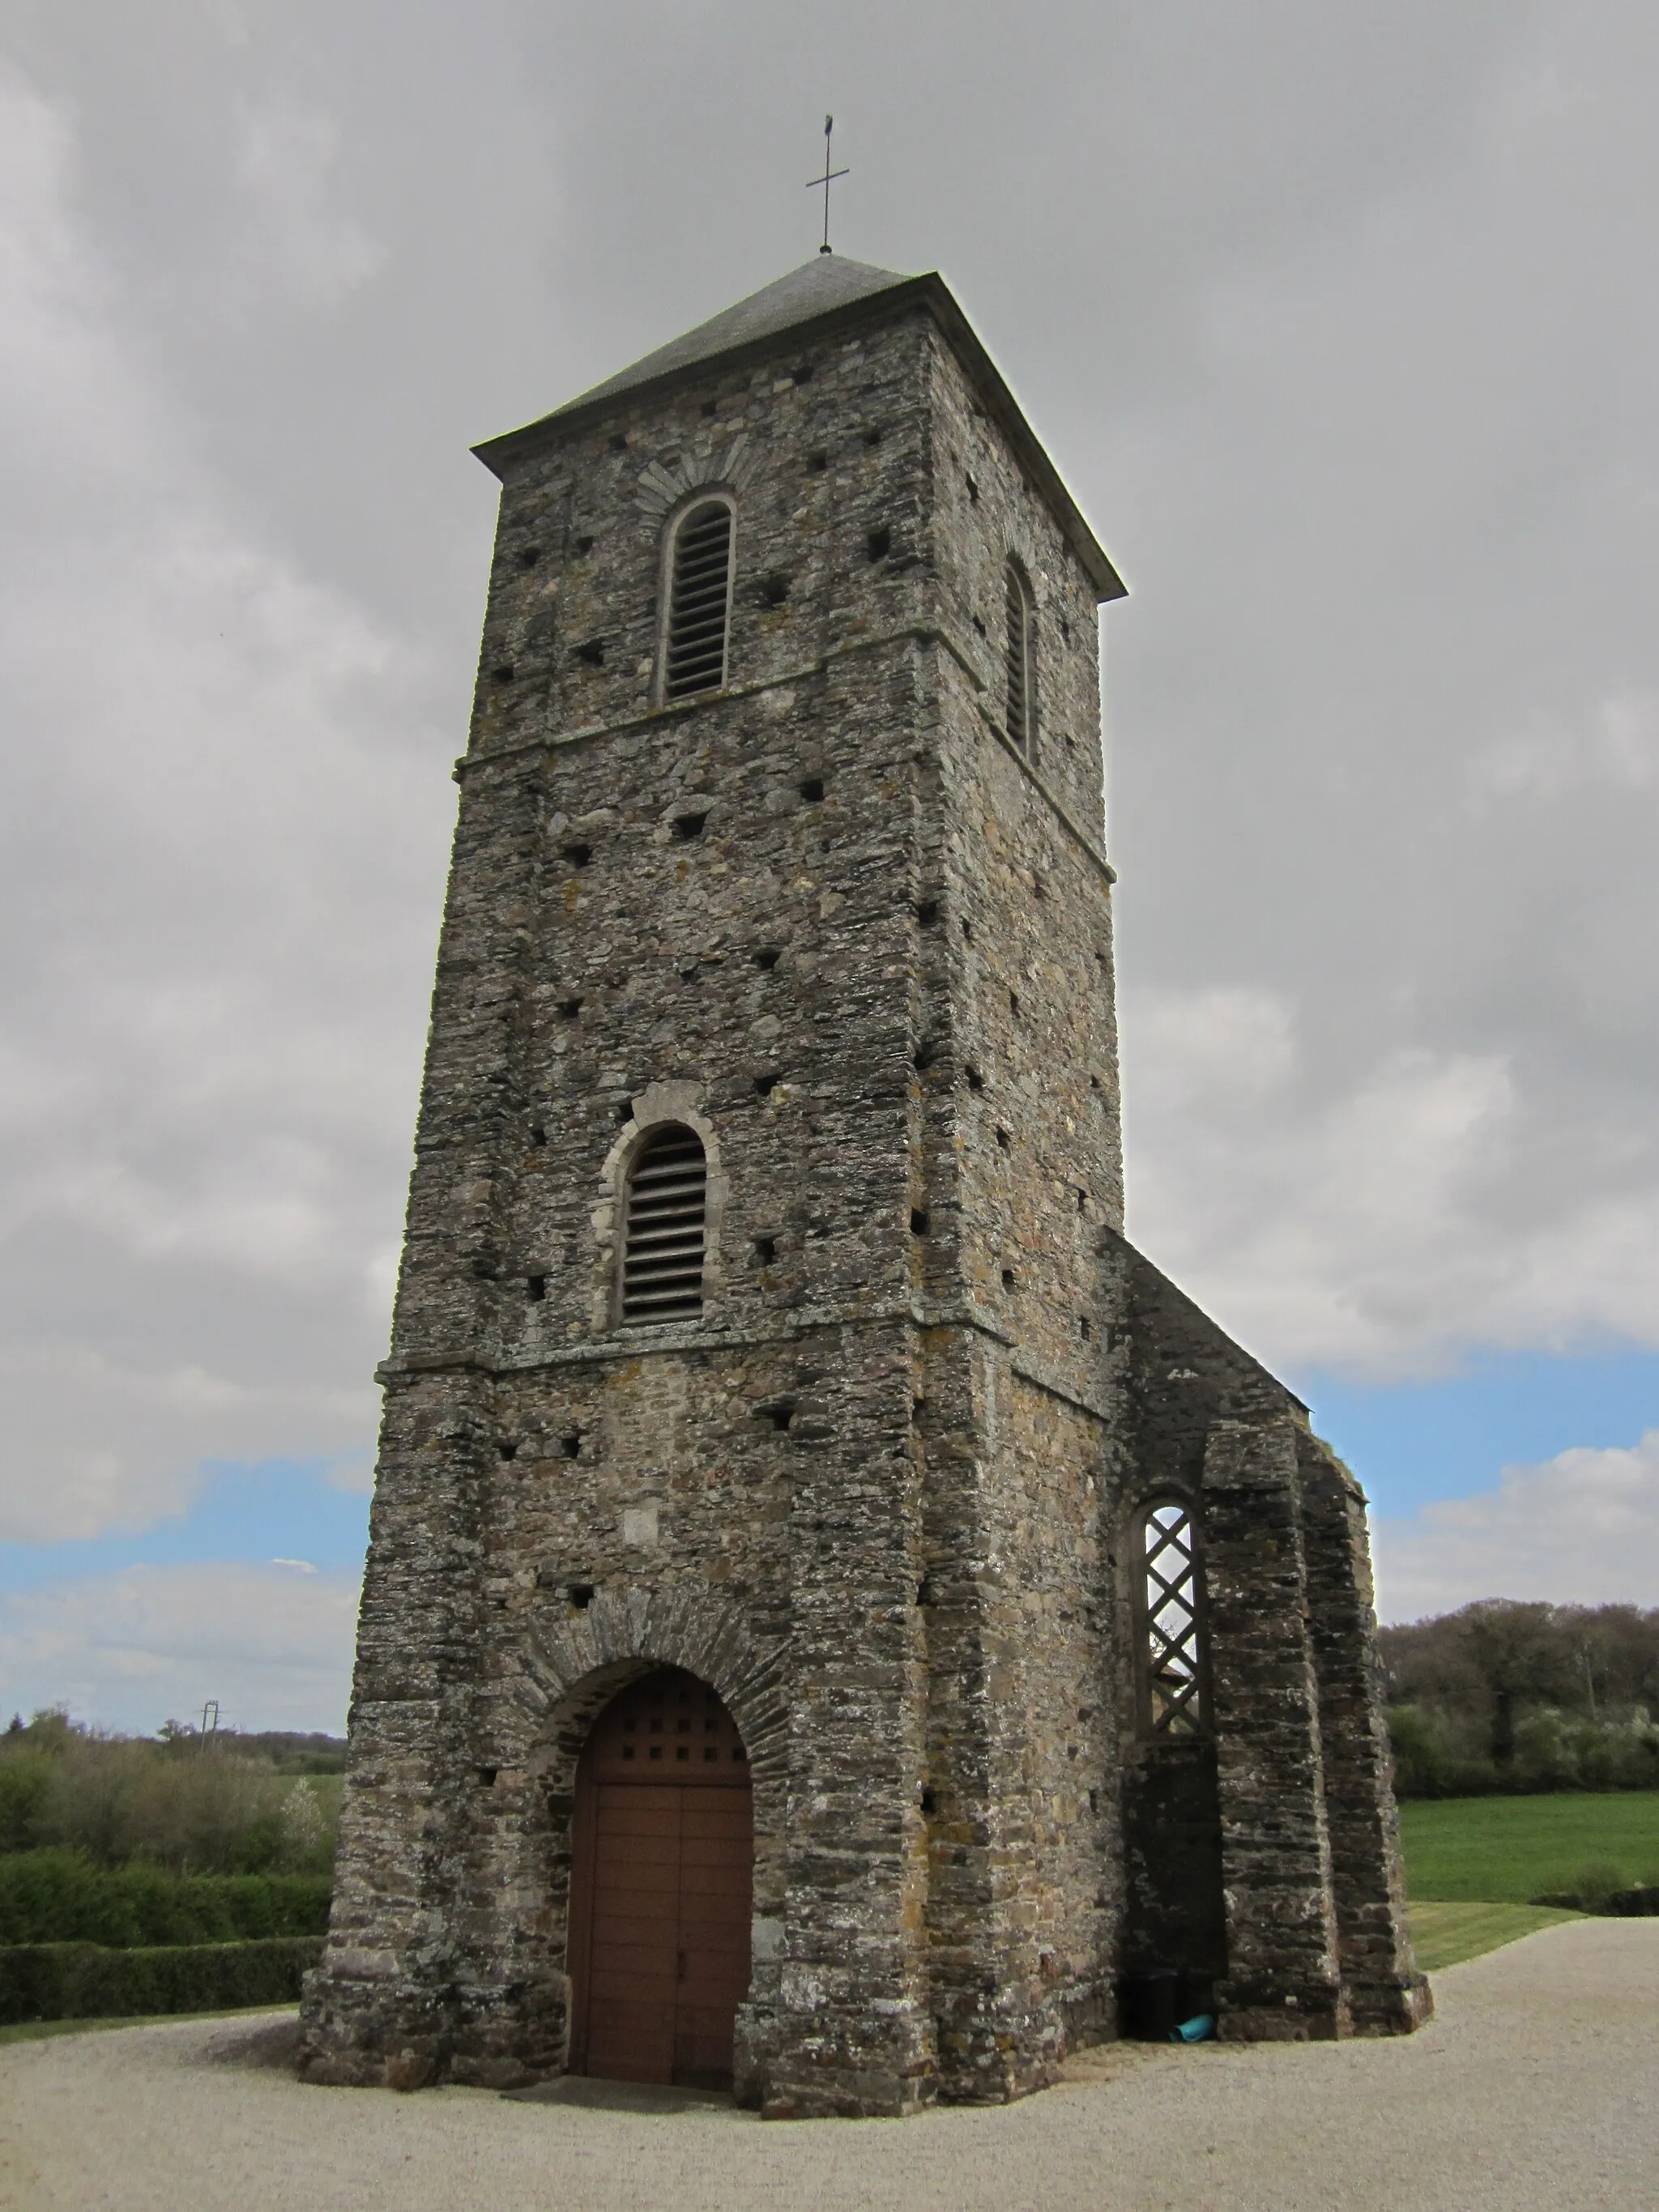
(1340, 319)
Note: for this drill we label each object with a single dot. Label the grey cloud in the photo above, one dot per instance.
(1580, 1529)
(1335, 318)
(273, 1643)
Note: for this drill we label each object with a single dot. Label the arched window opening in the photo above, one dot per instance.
(1018, 660)
(663, 1217)
(1171, 1606)
(699, 602)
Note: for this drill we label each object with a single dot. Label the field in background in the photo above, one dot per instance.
(1446, 1935)
(1510, 1850)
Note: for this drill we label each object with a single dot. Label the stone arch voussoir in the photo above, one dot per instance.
(574, 1663)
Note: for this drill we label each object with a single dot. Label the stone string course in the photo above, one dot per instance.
(880, 1496)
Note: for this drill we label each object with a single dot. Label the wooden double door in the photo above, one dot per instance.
(660, 1887)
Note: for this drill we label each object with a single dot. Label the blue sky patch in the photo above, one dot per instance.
(282, 1509)
(1412, 1443)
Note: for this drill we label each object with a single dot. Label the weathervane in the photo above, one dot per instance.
(823, 182)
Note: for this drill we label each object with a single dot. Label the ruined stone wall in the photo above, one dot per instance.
(1284, 1887)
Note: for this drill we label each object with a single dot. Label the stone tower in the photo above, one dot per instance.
(769, 1362)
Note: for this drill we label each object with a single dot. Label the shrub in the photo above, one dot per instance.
(1419, 1761)
(224, 1806)
(25, 1779)
(1593, 1885)
(85, 1981)
(61, 1897)
(1430, 1758)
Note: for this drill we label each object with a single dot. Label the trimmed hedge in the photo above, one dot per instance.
(90, 1981)
(60, 1897)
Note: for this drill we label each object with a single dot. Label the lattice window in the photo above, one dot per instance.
(1019, 659)
(699, 602)
(1171, 1623)
(663, 1219)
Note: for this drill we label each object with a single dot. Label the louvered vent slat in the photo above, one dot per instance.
(1016, 659)
(699, 603)
(663, 1239)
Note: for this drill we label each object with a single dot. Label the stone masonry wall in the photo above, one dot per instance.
(749, 913)
(875, 1497)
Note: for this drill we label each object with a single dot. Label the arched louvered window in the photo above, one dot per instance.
(699, 601)
(1019, 659)
(1170, 1602)
(663, 1214)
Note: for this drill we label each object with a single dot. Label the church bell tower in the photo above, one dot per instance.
(835, 1621)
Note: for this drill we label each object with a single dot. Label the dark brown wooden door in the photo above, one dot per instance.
(659, 1895)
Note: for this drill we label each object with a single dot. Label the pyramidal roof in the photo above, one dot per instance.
(822, 293)
(817, 288)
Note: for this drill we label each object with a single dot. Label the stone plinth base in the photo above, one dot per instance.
(371, 2034)
(1399, 2009)
(822, 2065)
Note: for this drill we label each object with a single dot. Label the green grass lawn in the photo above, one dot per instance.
(1509, 1849)
(1446, 1935)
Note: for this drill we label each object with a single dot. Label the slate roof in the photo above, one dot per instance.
(822, 293)
(827, 281)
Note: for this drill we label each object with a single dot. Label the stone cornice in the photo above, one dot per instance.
(673, 1341)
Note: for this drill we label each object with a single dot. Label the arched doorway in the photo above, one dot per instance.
(661, 1876)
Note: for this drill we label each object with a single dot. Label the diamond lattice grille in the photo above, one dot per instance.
(663, 1241)
(699, 602)
(1173, 1671)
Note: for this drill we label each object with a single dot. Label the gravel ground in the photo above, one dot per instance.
(1536, 2086)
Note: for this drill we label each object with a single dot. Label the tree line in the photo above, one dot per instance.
(220, 1804)
(1509, 1696)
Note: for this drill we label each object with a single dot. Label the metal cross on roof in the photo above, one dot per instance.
(823, 182)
